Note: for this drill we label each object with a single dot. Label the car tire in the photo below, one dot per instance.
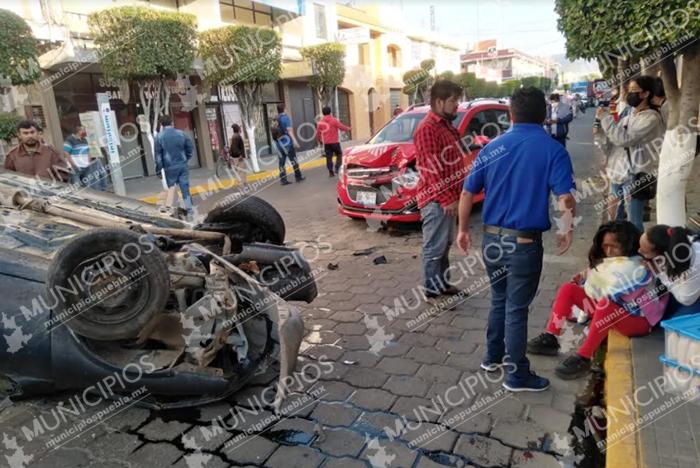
(124, 293)
(249, 219)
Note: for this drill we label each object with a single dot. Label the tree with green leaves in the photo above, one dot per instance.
(8, 126)
(417, 82)
(625, 36)
(327, 67)
(247, 58)
(145, 46)
(509, 87)
(467, 81)
(18, 54)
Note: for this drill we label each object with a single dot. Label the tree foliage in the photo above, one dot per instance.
(147, 46)
(8, 125)
(141, 43)
(18, 51)
(245, 57)
(626, 36)
(417, 82)
(328, 68)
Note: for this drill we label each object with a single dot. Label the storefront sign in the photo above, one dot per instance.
(111, 140)
(353, 35)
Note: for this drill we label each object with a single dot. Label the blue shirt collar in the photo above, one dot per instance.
(526, 126)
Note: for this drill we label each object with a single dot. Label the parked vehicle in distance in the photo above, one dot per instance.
(378, 180)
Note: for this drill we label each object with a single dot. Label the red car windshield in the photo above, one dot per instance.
(401, 129)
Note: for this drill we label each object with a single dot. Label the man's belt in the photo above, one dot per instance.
(534, 235)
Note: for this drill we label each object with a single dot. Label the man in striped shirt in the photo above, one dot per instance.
(440, 164)
(86, 169)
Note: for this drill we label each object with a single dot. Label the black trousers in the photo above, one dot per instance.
(330, 149)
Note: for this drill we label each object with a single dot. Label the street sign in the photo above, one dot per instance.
(111, 139)
(357, 35)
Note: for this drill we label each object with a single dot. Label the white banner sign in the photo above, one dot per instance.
(358, 35)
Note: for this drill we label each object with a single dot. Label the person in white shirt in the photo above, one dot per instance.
(674, 254)
(633, 150)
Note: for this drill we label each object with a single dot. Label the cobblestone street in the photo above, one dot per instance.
(399, 382)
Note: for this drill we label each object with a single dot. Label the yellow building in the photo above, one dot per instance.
(377, 56)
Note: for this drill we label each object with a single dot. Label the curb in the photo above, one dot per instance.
(619, 384)
(223, 184)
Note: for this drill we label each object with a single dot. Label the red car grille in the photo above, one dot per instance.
(383, 192)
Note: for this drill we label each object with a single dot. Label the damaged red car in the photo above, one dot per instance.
(378, 180)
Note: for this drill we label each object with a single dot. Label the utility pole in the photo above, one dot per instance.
(432, 17)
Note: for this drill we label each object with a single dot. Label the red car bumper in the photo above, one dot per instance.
(391, 205)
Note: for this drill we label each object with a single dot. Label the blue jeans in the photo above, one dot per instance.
(635, 208)
(180, 176)
(438, 231)
(93, 176)
(514, 272)
(284, 153)
(617, 190)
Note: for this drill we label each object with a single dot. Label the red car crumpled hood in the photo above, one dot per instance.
(381, 155)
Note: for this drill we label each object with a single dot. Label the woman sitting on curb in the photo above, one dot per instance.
(674, 254)
(618, 288)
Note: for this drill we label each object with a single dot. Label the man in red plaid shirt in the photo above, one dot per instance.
(439, 160)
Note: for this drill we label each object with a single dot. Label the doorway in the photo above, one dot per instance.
(302, 111)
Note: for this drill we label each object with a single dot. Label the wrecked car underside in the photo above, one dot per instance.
(98, 285)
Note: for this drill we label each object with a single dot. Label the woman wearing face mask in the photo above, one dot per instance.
(635, 139)
(673, 253)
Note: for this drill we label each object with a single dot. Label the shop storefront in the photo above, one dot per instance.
(76, 96)
(223, 110)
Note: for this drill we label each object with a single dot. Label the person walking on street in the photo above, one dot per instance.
(173, 150)
(441, 171)
(518, 170)
(558, 117)
(286, 143)
(86, 169)
(397, 111)
(34, 158)
(327, 134)
(236, 152)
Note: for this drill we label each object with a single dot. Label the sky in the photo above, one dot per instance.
(529, 25)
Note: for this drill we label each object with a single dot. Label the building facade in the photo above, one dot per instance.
(501, 65)
(377, 56)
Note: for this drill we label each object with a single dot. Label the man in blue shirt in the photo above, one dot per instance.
(286, 144)
(517, 171)
(173, 150)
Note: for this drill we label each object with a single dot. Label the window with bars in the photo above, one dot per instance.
(245, 11)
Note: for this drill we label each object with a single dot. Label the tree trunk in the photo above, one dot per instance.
(248, 96)
(679, 146)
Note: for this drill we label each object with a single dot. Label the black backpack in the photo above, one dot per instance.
(276, 131)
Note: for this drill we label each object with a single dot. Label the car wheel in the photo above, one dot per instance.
(108, 283)
(249, 219)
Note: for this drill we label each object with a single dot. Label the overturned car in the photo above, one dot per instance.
(96, 285)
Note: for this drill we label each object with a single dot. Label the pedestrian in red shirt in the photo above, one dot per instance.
(327, 134)
(441, 170)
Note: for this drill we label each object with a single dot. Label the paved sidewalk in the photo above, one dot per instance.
(203, 179)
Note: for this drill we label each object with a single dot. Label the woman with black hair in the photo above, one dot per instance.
(615, 290)
(634, 149)
(674, 254)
